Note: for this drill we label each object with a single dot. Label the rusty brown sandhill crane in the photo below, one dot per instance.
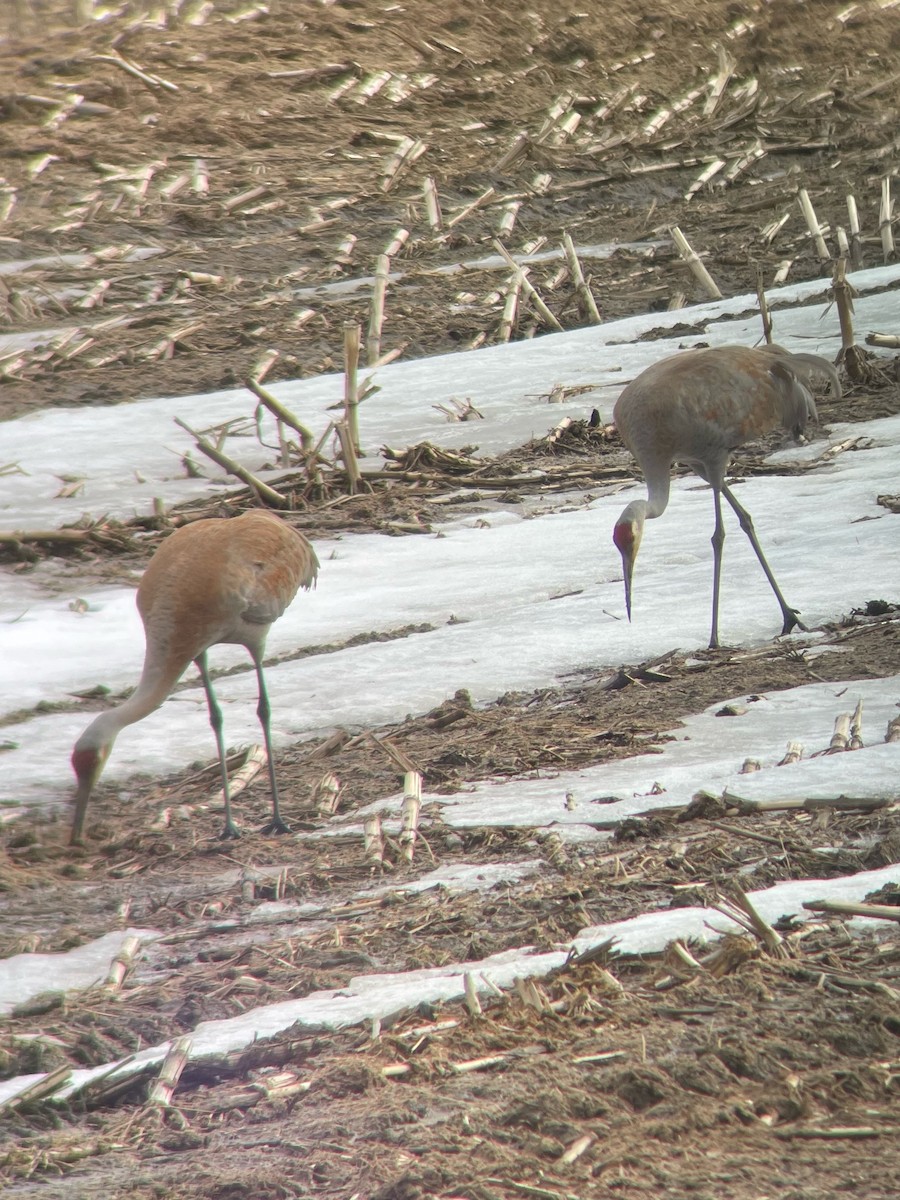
(218, 580)
(696, 408)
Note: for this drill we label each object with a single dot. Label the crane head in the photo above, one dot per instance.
(627, 535)
(88, 763)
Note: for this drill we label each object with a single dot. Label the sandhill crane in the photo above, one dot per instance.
(209, 582)
(695, 408)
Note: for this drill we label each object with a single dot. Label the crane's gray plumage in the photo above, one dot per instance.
(696, 408)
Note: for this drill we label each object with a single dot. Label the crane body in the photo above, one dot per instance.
(213, 581)
(696, 408)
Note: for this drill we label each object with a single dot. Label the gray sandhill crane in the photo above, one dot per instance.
(211, 581)
(696, 408)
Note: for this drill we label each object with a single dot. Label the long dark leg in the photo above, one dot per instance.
(215, 719)
(718, 540)
(264, 712)
(791, 619)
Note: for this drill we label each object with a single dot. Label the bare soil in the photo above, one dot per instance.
(752, 1075)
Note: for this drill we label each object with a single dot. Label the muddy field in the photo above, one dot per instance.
(225, 167)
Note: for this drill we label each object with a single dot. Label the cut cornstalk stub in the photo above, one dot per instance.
(530, 290)
(348, 455)
(508, 218)
(750, 765)
(586, 300)
(252, 765)
(432, 204)
(707, 174)
(326, 794)
(575, 1151)
(856, 257)
(264, 364)
(351, 387)
(397, 242)
(121, 964)
(473, 1004)
(517, 150)
(373, 839)
(843, 299)
(885, 218)
(170, 1072)
(771, 230)
(856, 741)
(840, 739)
(511, 306)
(816, 230)
(698, 270)
(376, 311)
(893, 730)
(470, 208)
(199, 177)
(410, 811)
(792, 754)
(409, 150)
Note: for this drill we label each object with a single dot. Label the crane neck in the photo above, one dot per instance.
(658, 483)
(154, 686)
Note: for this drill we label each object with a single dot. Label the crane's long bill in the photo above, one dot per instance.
(627, 537)
(627, 567)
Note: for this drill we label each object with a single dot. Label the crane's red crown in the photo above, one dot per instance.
(623, 536)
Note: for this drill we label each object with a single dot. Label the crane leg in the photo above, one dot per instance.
(264, 712)
(230, 830)
(718, 540)
(791, 619)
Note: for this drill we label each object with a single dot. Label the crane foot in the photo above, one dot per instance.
(792, 621)
(229, 832)
(276, 826)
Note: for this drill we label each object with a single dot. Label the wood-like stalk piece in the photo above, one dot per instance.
(253, 763)
(764, 313)
(373, 839)
(326, 794)
(770, 939)
(170, 1072)
(856, 742)
(840, 739)
(470, 208)
(847, 908)
(432, 205)
(698, 270)
(585, 297)
(812, 224)
(792, 754)
(283, 414)
(856, 258)
(410, 810)
(348, 456)
(885, 218)
(121, 964)
(511, 305)
(509, 217)
(351, 389)
(376, 312)
(266, 494)
(529, 288)
(473, 1004)
(843, 299)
